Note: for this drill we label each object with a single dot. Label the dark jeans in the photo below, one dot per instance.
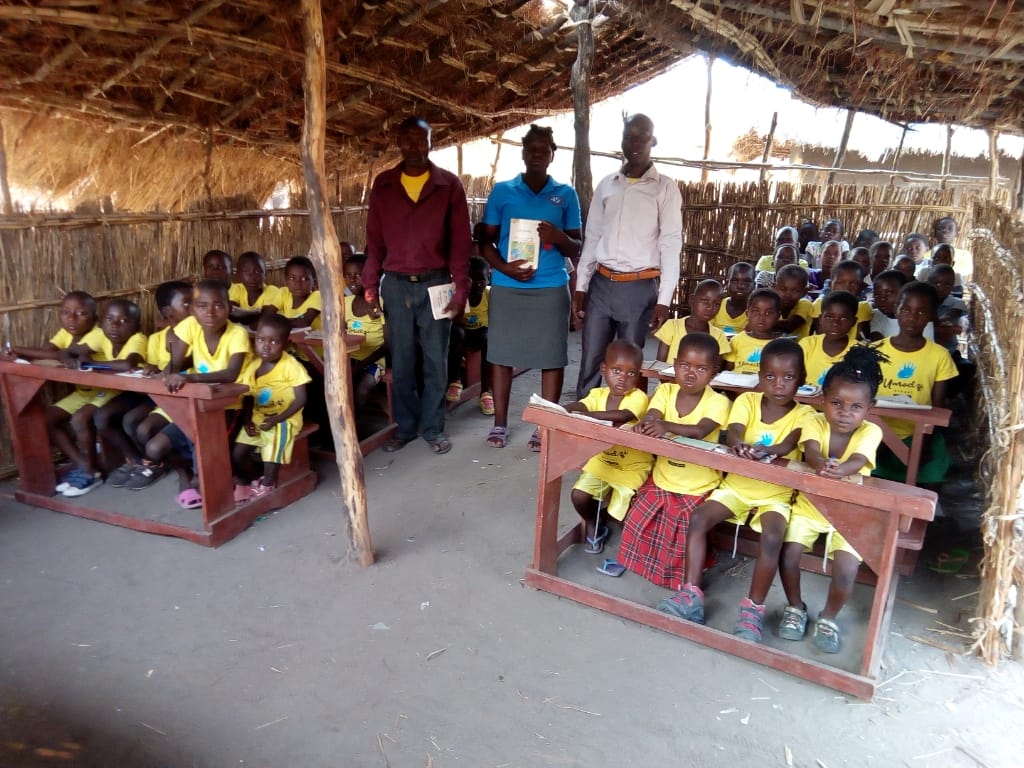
(614, 311)
(411, 324)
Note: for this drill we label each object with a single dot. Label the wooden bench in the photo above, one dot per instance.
(197, 408)
(871, 515)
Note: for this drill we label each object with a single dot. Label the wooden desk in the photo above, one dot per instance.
(870, 515)
(924, 420)
(197, 408)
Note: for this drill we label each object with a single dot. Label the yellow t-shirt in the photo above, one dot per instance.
(477, 316)
(767, 262)
(103, 349)
(672, 474)
(672, 332)
(817, 361)
(864, 314)
(271, 296)
(62, 339)
(865, 440)
(745, 354)
(746, 410)
(372, 328)
(313, 301)
(414, 184)
(913, 374)
(804, 309)
(235, 339)
(727, 323)
(274, 391)
(619, 465)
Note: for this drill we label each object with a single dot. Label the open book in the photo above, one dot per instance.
(733, 379)
(540, 402)
(900, 401)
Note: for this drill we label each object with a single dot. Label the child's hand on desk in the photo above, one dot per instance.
(175, 381)
(830, 469)
(746, 451)
(650, 427)
(149, 370)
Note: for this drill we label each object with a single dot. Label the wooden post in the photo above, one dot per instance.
(494, 167)
(899, 151)
(458, 154)
(841, 152)
(6, 203)
(947, 156)
(993, 156)
(582, 15)
(1019, 206)
(767, 144)
(326, 255)
(707, 121)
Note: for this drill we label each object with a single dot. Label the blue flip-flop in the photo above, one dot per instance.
(595, 544)
(611, 568)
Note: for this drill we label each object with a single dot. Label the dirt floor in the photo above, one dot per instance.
(129, 650)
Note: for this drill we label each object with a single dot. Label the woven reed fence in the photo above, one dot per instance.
(997, 309)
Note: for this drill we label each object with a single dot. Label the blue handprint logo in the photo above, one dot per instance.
(821, 379)
(729, 329)
(765, 439)
(263, 396)
(357, 325)
(755, 356)
(471, 319)
(906, 371)
(203, 368)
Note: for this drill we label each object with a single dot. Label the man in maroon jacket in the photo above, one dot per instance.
(418, 236)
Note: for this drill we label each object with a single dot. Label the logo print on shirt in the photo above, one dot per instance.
(471, 319)
(821, 379)
(555, 199)
(357, 325)
(203, 368)
(765, 439)
(754, 357)
(906, 371)
(729, 329)
(263, 396)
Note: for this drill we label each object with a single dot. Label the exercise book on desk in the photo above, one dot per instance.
(540, 402)
(733, 379)
(900, 401)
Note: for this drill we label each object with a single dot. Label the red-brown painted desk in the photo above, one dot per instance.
(870, 515)
(197, 408)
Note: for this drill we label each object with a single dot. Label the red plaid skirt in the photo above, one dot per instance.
(654, 537)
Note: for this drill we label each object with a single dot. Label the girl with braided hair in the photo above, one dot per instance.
(836, 443)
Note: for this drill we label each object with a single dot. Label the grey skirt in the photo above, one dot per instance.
(529, 327)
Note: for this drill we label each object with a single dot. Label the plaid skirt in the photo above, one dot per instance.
(654, 537)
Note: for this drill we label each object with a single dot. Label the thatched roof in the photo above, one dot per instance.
(226, 74)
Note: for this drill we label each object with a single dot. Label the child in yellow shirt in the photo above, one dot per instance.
(251, 296)
(826, 348)
(732, 314)
(794, 307)
(704, 304)
(762, 315)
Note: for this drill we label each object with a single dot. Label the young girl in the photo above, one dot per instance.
(825, 349)
(251, 296)
(732, 314)
(762, 423)
(847, 276)
(300, 301)
(654, 538)
(785, 255)
(919, 369)
(762, 315)
(836, 443)
(368, 359)
(704, 304)
(611, 478)
(830, 255)
(794, 306)
(469, 333)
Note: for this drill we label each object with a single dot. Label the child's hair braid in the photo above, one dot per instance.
(860, 365)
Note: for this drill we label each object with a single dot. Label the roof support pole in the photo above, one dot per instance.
(6, 204)
(993, 168)
(768, 147)
(582, 15)
(710, 61)
(325, 252)
(947, 156)
(841, 152)
(1019, 206)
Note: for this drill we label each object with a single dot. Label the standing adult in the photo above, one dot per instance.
(418, 236)
(529, 306)
(630, 263)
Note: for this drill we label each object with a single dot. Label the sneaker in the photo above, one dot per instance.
(120, 476)
(750, 622)
(454, 393)
(82, 484)
(69, 478)
(487, 404)
(145, 476)
(826, 635)
(687, 603)
(793, 625)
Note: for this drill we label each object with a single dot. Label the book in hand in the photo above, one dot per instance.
(524, 241)
(440, 298)
(547, 405)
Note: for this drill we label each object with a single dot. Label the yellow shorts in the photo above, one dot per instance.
(740, 506)
(275, 444)
(78, 400)
(806, 524)
(617, 502)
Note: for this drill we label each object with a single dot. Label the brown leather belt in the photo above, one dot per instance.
(628, 277)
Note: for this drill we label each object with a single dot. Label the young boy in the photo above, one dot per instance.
(611, 478)
(906, 265)
(881, 255)
(469, 333)
(883, 317)
(251, 296)
(217, 266)
(704, 303)
(825, 349)
(77, 314)
(732, 314)
(762, 315)
(794, 307)
(919, 369)
(848, 276)
(654, 537)
(273, 416)
(300, 302)
(368, 360)
(219, 350)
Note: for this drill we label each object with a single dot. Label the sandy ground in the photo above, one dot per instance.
(123, 649)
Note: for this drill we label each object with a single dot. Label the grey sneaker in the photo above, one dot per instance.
(750, 622)
(687, 603)
(120, 476)
(826, 635)
(793, 625)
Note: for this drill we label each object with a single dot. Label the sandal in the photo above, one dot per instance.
(189, 499)
(534, 442)
(243, 493)
(395, 444)
(951, 562)
(454, 393)
(487, 404)
(497, 437)
(440, 445)
(595, 544)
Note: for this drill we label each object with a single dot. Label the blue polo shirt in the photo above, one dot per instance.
(556, 203)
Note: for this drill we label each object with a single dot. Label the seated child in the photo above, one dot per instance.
(832, 231)
(469, 333)
(919, 369)
(142, 420)
(794, 306)
(825, 349)
(217, 266)
(732, 313)
(785, 255)
(704, 303)
(300, 300)
(654, 537)
(762, 423)
(883, 318)
(836, 443)
(943, 253)
(848, 276)
(916, 247)
(906, 265)
(762, 315)
(77, 314)
(368, 360)
(251, 297)
(881, 256)
(272, 417)
(611, 477)
(862, 256)
(783, 236)
(830, 256)
(951, 310)
(219, 349)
